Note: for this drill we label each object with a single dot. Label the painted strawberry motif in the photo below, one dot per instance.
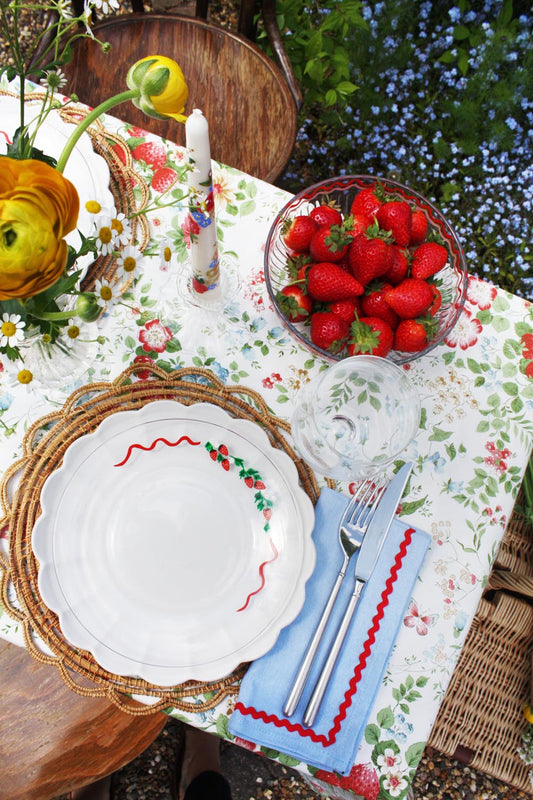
(411, 298)
(428, 258)
(363, 780)
(152, 153)
(395, 216)
(298, 232)
(327, 282)
(329, 331)
(163, 179)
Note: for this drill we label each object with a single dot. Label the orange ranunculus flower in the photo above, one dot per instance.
(38, 208)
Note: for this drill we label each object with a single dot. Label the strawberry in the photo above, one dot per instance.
(357, 223)
(400, 266)
(346, 309)
(297, 232)
(119, 151)
(395, 216)
(297, 265)
(412, 335)
(374, 304)
(437, 300)
(163, 179)
(326, 215)
(366, 202)
(370, 335)
(411, 298)
(327, 282)
(329, 331)
(294, 303)
(419, 227)
(428, 258)
(363, 780)
(370, 255)
(329, 243)
(152, 153)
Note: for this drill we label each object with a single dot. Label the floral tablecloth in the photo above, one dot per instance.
(469, 455)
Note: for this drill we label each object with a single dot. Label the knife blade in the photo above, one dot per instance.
(365, 564)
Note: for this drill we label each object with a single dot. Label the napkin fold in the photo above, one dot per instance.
(334, 739)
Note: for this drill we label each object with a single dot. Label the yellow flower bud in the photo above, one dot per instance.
(162, 86)
(38, 207)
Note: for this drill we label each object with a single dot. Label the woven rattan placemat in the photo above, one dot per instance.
(123, 180)
(44, 446)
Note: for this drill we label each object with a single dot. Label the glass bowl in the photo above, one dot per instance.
(451, 280)
(355, 417)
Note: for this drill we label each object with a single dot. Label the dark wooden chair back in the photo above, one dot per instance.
(250, 102)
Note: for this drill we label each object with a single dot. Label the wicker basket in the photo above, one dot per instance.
(480, 721)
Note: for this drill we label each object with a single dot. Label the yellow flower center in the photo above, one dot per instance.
(167, 254)
(8, 329)
(25, 376)
(106, 293)
(93, 206)
(117, 225)
(47, 338)
(73, 332)
(129, 264)
(105, 234)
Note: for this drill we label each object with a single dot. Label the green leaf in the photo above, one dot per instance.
(439, 435)
(413, 754)
(372, 734)
(385, 717)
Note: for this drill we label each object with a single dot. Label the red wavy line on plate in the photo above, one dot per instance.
(330, 738)
(132, 447)
(262, 575)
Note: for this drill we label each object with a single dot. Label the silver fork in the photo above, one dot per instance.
(358, 515)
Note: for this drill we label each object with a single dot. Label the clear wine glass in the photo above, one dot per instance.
(353, 419)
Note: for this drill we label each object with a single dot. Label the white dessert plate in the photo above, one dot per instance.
(174, 542)
(87, 170)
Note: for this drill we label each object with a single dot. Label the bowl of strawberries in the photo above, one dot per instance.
(364, 265)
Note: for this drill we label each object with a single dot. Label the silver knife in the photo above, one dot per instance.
(366, 561)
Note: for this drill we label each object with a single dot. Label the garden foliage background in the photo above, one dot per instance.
(436, 94)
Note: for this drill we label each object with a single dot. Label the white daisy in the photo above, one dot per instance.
(11, 330)
(128, 262)
(122, 226)
(53, 79)
(106, 236)
(165, 255)
(105, 293)
(106, 6)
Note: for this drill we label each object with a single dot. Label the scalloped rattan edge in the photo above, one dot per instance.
(44, 446)
(116, 153)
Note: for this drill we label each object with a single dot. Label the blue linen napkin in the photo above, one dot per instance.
(333, 741)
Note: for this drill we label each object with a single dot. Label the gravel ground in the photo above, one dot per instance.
(256, 778)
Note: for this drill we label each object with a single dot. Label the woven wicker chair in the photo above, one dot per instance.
(480, 721)
(250, 102)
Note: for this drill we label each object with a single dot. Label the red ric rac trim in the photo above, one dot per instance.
(331, 736)
(261, 575)
(132, 447)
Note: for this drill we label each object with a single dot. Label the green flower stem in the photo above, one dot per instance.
(89, 119)
(54, 316)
